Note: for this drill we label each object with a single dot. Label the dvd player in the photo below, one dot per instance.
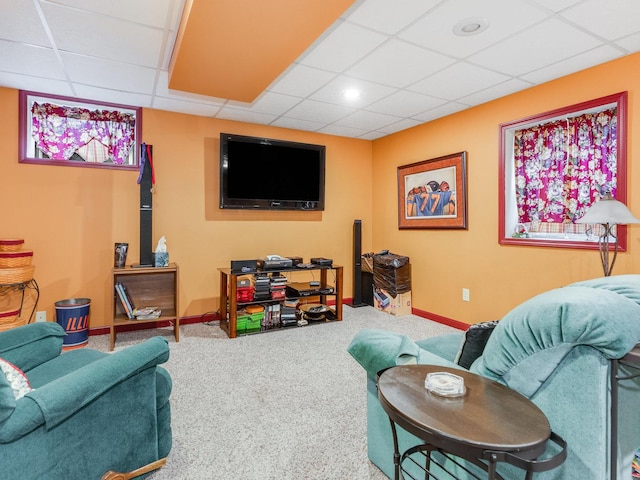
(275, 264)
(304, 289)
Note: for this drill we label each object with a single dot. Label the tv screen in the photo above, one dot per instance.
(269, 174)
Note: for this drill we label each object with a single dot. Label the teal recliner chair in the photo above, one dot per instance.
(89, 412)
(558, 349)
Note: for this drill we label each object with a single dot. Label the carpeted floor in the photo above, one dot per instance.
(283, 405)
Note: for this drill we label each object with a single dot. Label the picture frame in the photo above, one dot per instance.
(433, 193)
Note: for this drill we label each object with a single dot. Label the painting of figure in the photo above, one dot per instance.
(431, 193)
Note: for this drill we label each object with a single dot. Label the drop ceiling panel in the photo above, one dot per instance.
(301, 81)
(406, 104)
(399, 64)
(104, 37)
(334, 92)
(108, 74)
(390, 17)
(332, 53)
(615, 19)
(505, 17)
(458, 80)
(28, 29)
(41, 60)
(319, 111)
(153, 13)
(539, 46)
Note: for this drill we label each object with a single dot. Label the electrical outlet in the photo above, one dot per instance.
(41, 316)
(465, 294)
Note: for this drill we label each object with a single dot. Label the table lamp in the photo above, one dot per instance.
(608, 212)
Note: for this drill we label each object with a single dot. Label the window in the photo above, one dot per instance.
(67, 131)
(554, 166)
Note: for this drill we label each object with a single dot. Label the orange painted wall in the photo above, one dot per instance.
(498, 277)
(71, 217)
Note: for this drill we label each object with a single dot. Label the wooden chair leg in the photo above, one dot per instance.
(111, 475)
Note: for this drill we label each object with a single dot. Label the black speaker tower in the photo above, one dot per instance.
(357, 265)
(146, 206)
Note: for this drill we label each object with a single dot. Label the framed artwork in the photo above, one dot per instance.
(433, 193)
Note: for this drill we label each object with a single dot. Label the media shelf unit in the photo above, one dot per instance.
(229, 288)
(148, 286)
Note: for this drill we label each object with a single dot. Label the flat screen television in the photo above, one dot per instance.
(269, 174)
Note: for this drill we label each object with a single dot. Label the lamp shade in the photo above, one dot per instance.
(608, 210)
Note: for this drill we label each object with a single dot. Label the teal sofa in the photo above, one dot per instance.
(558, 349)
(88, 412)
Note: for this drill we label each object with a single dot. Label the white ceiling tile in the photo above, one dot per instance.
(505, 17)
(30, 60)
(443, 111)
(271, 102)
(546, 43)
(191, 108)
(333, 92)
(297, 124)
(20, 22)
(497, 91)
(331, 53)
(574, 64)
(390, 17)
(399, 126)
(113, 96)
(35, 84)
(399, 64)
(104, 37)
(342, 131)
(229, 113)
(108, 74)
(614, 19)
(367, 120)
(630, 43)
(405, 104)
(145, 12)
(372, 135)
(457, 80)
(301, 80)
(557, 5)
(319, 111)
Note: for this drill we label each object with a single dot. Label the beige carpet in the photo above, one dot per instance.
(283, 405)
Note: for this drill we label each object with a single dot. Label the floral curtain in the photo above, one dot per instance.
(61, 131)
(564, 166)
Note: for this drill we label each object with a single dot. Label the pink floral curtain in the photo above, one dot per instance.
(60, 131)
(562, 167)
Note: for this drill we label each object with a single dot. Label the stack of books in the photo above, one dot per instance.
(261, 287)
(278, 286)
(271, 316)
(133, 313)
(288, 316)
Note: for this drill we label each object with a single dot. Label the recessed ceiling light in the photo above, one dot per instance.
(471, 26)
(351, 94)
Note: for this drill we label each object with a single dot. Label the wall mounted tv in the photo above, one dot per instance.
(268, 174)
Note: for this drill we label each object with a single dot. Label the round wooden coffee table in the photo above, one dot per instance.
(490, 423)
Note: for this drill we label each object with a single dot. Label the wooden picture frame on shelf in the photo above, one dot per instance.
(433, 193)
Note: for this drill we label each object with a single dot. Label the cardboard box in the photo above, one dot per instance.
(383, 301)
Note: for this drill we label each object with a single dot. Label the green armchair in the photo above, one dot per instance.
(89, 414)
